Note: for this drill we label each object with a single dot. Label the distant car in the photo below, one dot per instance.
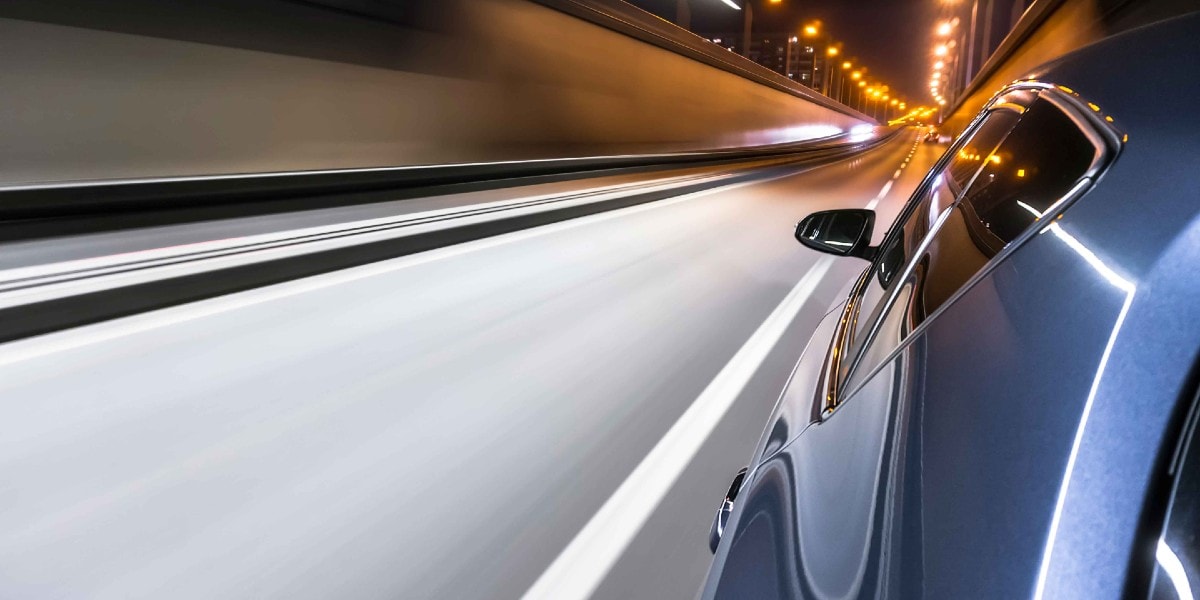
(1004, 404)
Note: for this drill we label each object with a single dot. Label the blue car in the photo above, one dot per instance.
(1005, 404)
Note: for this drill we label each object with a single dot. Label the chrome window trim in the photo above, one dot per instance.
(1105, 138)
(829, 384)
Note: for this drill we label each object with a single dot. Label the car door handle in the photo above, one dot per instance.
(718, 525)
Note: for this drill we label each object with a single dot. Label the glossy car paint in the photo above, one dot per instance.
(1014, 446)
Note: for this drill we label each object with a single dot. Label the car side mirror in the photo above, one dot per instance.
(845, 232)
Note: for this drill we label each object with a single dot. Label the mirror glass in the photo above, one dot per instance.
(842, 232)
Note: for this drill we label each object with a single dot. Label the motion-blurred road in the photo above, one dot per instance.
(440, 425)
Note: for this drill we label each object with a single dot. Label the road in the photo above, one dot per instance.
(441, 425)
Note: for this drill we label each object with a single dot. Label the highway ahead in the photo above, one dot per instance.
(458, 423)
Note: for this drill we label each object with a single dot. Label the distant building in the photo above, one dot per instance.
(787, 55)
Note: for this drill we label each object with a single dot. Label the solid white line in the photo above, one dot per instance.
(585, 561)
(70, 339)
(87, 335)
(887, 187)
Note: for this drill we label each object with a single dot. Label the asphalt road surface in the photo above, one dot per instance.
(551, 413)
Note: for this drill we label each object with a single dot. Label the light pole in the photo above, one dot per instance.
(841, 87)
(683, 14)
(747, 19)
(812, 31)
(747, 9)
(831, 52)
(787, 60)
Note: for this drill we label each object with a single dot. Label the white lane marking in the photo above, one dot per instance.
(79, 337)
(14, 277)
(586, 560)
(896, 174)
(887, 187)
(122, 274)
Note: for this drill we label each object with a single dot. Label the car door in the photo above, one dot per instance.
(812, 387)
(838, 512)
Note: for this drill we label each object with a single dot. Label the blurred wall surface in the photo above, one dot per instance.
(106, 89)
(1051, 31)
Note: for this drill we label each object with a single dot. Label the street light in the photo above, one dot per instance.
(813, 30)
(831, 51)
(787, 60)
(841, 87)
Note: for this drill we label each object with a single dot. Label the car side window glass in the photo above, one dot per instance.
(1037, 164)
(916, 223)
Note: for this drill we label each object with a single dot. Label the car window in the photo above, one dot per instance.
(916, 222)
(1038, 163)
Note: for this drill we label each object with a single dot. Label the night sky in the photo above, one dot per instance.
(890, 37)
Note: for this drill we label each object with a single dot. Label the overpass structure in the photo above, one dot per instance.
(1047, 30)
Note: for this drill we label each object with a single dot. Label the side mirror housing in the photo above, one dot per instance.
(845, 232)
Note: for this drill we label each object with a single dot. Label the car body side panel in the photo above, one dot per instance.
(938, 476)
(1031, 416)
(793, 411)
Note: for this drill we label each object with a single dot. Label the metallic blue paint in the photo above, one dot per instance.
(1013, 444)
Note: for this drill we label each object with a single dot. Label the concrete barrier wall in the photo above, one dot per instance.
(1049, 30)
(141, 88)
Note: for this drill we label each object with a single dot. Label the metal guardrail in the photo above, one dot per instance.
(106, 197)
(62, 296)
